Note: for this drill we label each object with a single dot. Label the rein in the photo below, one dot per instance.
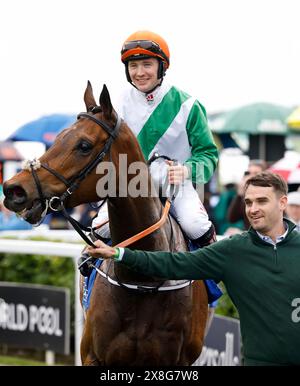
(143, 233)
(149, 230)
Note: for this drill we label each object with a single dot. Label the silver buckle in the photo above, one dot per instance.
(54, 206)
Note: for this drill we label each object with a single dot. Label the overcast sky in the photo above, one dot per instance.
(226, 53)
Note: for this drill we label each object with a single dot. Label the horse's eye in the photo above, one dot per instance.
(84, 147)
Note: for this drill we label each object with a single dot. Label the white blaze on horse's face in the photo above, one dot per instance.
(143, 73)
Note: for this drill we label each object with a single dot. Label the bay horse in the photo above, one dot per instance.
(129, 327)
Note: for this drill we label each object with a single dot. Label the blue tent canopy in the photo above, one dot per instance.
(43, 129)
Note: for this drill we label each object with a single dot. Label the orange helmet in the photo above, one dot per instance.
(143, 44)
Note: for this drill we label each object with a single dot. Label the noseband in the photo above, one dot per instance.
(57, 203)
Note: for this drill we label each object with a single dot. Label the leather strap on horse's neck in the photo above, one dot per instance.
(149, 230)
(77, 226)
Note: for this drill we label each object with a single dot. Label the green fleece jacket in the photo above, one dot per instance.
(262, 280)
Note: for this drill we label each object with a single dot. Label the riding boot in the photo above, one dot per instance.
(208, 238)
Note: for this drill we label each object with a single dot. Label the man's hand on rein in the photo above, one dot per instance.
(102, 251)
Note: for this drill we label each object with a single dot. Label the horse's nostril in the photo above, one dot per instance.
(15, 193)
(18, 191)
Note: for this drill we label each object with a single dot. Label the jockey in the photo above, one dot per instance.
(169, 122)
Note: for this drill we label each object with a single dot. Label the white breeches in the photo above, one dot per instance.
(189, 211)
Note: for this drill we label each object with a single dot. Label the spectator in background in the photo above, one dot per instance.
(9, 220)
(236, 210)
(220, 211)
(293, 208)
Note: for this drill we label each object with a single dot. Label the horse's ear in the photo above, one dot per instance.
(89, 99)
(105, 102)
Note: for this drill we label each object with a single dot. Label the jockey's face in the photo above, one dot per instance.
(143, 73)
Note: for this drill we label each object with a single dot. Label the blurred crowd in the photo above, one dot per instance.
(228, 210)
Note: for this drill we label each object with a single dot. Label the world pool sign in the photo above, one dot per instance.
(35, 316)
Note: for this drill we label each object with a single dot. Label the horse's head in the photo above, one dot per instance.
(66, 172)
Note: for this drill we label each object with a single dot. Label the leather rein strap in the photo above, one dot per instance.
(149, 230)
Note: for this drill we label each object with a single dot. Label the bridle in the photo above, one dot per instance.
(56, 203)
(75, 181)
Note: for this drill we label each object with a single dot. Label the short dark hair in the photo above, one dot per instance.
(268, 179)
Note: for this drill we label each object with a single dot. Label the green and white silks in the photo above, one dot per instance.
(172, 123)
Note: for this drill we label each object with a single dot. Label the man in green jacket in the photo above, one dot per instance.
(260, 269)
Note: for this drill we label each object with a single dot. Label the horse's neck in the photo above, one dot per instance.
(127, 217)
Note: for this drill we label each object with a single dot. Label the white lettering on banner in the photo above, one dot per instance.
(22, 317)
(212, 357)
(296, 313)
(17, 317)
(41, 317)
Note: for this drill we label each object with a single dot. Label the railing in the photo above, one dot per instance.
(55, 249)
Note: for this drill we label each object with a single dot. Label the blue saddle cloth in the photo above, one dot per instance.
(88, 285)
(213, 291)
